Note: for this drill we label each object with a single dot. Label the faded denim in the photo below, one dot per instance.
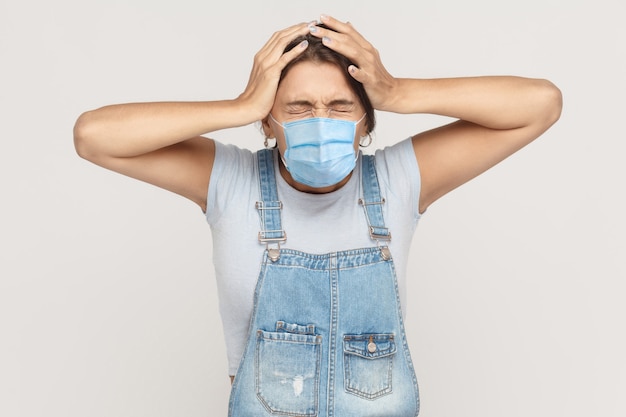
(326, 336)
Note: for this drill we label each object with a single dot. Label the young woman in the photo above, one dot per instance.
(317, 329)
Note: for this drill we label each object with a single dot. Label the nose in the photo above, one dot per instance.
(321, 111)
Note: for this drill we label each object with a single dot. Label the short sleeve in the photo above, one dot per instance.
(399, 173)
(232, 175)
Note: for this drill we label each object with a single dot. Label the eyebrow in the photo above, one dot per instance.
(337, 102)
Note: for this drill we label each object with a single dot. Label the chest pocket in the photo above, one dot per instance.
(368, 364)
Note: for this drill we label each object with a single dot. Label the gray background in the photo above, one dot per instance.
(107, 295)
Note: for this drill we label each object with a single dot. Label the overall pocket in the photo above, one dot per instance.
(287, 372)
(368, 363)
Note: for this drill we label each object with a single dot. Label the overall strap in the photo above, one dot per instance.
(372, 201)
(269, 206)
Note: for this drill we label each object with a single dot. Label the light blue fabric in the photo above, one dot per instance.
(326, 336)
(320, 150)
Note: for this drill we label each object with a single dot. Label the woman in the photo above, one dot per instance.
(319, 329)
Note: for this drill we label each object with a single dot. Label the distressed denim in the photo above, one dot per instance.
(326, 336)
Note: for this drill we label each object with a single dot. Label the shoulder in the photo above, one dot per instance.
(231, 163)
(233, 176)
(398, 172)
(227, 154)
(398, 160)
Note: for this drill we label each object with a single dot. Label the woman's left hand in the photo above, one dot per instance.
(368, 69)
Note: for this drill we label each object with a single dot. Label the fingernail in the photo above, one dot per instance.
(304, 44)
(312, 29)
(326, 39)
(323, 17)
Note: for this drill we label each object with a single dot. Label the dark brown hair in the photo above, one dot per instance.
(318, 52)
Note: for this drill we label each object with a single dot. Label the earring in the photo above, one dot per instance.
(369, 136)
(266, 142)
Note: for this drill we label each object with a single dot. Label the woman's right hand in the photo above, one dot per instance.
(161, 143)
(269, 62)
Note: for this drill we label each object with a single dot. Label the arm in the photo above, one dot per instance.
(161, 143)
(158, 143)
(496, 115)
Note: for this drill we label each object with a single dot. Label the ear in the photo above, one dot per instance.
(268, 131)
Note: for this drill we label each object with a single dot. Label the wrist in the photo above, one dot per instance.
(405, 96)
(247, 111)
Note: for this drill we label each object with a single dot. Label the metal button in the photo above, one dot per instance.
(273, 254)
(371, 346)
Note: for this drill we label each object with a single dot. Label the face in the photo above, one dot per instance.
(314, 90)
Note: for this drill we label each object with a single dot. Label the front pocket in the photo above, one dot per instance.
(368, 363)
(287, 368)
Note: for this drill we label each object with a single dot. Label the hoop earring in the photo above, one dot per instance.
(266, 143)
(369, 135)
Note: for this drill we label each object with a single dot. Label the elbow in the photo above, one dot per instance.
(551, 103)
(83, 137)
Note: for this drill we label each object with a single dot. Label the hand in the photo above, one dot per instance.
(268, 64)
(368, 69)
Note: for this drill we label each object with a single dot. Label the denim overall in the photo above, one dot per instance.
(326, 337)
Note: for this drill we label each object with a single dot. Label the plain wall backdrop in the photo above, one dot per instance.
(107, 292)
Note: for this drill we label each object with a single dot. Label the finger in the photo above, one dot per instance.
(284, 36)
(344, 27)
(278, 59)
(277, 43)
(346, 45)
(358, 74)
(271, 53)
(291, 54)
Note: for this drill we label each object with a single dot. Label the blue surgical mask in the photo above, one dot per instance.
(320, 150)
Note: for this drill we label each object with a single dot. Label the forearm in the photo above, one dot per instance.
(132, 129)
(497, 102)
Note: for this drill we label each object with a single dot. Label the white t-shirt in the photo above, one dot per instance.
(314, 223)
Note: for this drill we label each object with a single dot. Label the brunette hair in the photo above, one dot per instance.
(318, 52)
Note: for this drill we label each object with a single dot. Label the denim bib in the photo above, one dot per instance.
(326, 336)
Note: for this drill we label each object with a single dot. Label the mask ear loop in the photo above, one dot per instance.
(369, 135)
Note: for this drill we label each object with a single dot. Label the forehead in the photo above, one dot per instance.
(317, 83)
